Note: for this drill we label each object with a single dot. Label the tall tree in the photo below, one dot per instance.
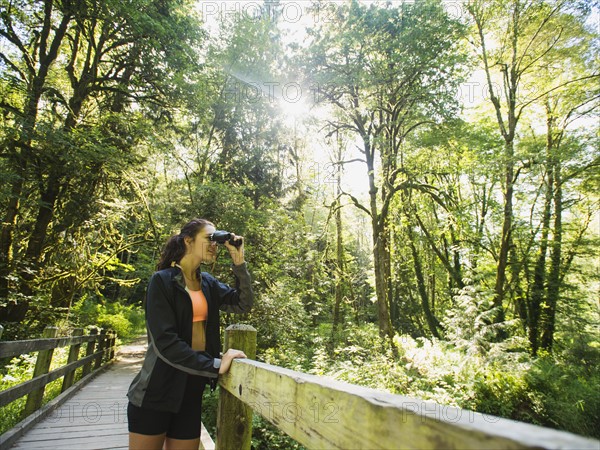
(242, 134)
(567, 159)
(32, 34)
(115, 66)
(387, 70)
(513, 39)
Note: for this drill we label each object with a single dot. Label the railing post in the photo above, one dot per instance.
(111, 345)
(73, 356)
(101, 348)
(234, 418)
(42, 365)
(87, 368)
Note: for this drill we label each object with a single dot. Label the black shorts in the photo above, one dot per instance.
(184, 424)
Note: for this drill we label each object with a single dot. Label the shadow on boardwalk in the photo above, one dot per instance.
(96, 416)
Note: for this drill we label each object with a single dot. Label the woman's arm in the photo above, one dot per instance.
(228, 357)
(234, 300)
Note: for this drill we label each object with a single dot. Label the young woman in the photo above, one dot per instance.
(182, 319)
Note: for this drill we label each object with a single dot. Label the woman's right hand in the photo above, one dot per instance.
(229, 356)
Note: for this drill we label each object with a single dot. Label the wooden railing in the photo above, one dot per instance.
(99, 352)
(322, 413)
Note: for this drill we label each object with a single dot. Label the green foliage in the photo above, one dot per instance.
(503, 393)
(11, 414)
(142, 121)
(501, 381)
(20, 369)
(566, 395)
(127, 320)
(266, 435)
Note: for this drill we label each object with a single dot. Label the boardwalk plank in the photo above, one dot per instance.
(95, 417)
(73, 431)
(77, 444)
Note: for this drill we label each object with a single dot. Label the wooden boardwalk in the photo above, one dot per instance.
(96, 416)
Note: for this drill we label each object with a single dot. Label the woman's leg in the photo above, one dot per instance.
(145, 442)
(147, 428)
(184, 431)
(182, 444)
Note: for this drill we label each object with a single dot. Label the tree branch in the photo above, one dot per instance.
(16, 111)
(12, 37)
(13, 66)
(589, 77)
(357, 203)
(350, 161)
(526, 51)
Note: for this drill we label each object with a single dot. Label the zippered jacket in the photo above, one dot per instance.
(160, 384)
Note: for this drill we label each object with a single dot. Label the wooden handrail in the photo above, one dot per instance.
(34, 388)
(13, 393)
(320, 412)
(13, 348)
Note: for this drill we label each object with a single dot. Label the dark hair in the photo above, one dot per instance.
(174, 249)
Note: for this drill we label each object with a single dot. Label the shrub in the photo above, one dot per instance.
(127, 321)
(567, 396)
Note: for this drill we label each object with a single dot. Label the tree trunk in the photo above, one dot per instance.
(380, 251)
(539, 275)
(44, 217)
(432, 321)
(339, 273)
(6, 236)
(48, 198)
(506, 238)
(554, 277)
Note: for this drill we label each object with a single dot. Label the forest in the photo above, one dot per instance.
(417, 183)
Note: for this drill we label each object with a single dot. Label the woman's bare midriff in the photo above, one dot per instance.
(199, 336)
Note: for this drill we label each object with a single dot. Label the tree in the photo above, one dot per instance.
(105, 68)
(33, 36)
(387, 71)
(524, 33)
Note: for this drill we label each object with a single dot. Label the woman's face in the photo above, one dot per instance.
(202, 247)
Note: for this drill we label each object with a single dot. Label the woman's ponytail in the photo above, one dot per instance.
(174, 249)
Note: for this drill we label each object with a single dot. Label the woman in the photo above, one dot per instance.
(182, 319)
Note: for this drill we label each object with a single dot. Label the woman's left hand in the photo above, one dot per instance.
(237, 253)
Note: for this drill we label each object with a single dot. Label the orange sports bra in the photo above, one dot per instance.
(199, 305)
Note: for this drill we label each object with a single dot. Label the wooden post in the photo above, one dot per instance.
(234, 418)
(87, 368)
(42, 365)
(1, 330)
(111, 346)
(73, 356)
(101, 347)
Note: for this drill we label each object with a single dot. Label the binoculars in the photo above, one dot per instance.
(220, 237)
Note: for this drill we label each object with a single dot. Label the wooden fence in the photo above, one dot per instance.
(317, 412)
(99, 352)
(321, 413)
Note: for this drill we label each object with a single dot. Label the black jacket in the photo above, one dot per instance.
(160, 384)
